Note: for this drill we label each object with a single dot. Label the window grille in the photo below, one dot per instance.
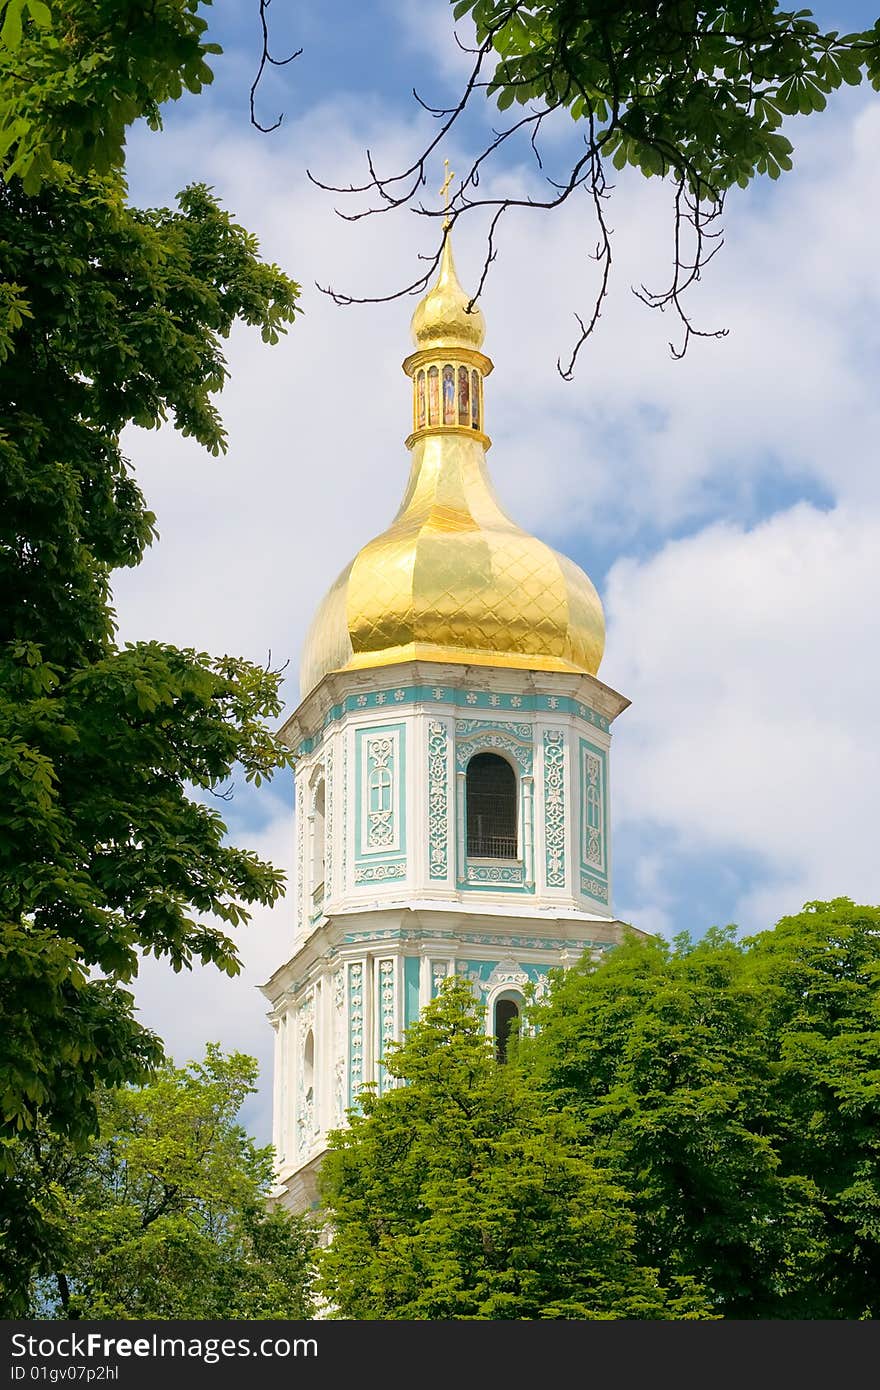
(491, 808)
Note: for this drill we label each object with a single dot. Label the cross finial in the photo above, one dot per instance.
(444, 191)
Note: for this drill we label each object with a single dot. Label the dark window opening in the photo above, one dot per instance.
(491, 807)
(506, 1014)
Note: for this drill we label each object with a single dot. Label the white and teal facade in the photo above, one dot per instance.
(452, 765)
(391, 897)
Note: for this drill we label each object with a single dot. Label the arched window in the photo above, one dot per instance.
(448, 395)
(464, 395)
(319, 847)
(420, 415)
(506, 1015)
(491, 807)
(475, 400)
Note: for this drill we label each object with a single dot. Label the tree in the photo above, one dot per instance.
(454, 1195)
(109, 316)
(75, 74)
(164, 1215)
(819, 975)
(695, 93)
(731, 1089)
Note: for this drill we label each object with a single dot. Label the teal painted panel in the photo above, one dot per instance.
(380, 793)
(594, 888)
(477, 971)
(411, 971)
(593, 812)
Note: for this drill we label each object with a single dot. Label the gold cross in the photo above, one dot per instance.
(444, 190)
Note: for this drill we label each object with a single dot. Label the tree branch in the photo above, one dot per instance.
(266, 57)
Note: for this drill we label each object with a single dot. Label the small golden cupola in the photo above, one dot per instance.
(453, 579)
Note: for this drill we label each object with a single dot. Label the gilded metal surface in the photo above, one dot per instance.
(453, 578)
(440, 319)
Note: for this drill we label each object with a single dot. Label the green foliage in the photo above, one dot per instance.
(100, 844)
(733, 1090)
(819, 973)
(109, 316)
(164, 1215)
(75, 73)
(455, 1195)
(699, 90)
(693, 1131)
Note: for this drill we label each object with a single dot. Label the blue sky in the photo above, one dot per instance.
(727, 506)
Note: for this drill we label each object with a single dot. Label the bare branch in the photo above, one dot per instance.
(266, 57)
(608, 109)
(225, 795)
(602, 255)
(700, 213)
(416, 171)
(416, 287)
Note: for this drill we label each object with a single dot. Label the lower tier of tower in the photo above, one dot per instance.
(363, 978)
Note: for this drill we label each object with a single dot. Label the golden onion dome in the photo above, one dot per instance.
(453, 579)
(441, 319)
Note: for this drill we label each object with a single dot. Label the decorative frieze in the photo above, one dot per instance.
(306, 1116)
(439, 971)
(507, 975)
(387, 1014)
(454, 698)
(512, 874)
(328, 841)
(514, 739)
(438, 800)
(380, 873)
(283, 1095)
(554, 807)
(488, 977)
(302, 908)
(344, 814)
(338, 1046)
(491, 939)
(594, 888)
(355, 1030)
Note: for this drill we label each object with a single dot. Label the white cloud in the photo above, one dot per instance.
(755, 684)
(428, 32)
(788, 395)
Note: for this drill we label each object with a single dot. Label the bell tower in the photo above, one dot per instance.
(452, 774)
